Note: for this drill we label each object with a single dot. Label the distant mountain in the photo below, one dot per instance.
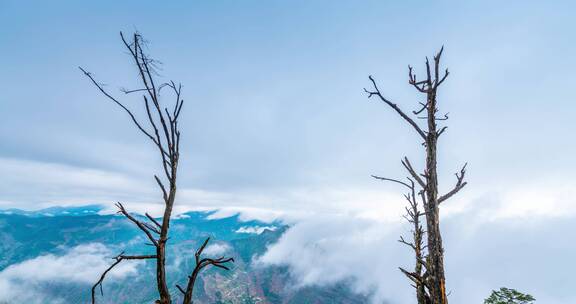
(25, 235)
(56, 211)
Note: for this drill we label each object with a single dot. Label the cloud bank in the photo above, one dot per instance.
(27, 281)
(488, 245)
(494, 233)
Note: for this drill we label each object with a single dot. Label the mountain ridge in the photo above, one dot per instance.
(26, 236)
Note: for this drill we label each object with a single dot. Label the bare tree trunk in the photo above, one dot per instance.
(421, 294)
(435, 250)
(161, 249)
(413, 216)
(433, 279)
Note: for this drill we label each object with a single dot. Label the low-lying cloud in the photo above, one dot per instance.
(216, 249)
(326, 250)
(483, 253)
(254, 229)
(23, 282)
(495, 234)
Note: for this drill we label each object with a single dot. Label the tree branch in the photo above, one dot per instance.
(412, 276)
(406, 163)
(411, 245)
(89, 75)
(164, 193)
(393, 180)
(139, 224)
(437, 80)
(395, 107)
(119, 258)
(153, 220)
(200, 264)
(460, 183)
(441, 131)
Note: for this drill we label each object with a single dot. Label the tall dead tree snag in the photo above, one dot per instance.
(433, 279)
(162, 129)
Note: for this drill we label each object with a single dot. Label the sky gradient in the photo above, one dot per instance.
(276, 123)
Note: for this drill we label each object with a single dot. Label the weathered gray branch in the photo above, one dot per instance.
(119, 258)
(460, 183)
(395, 107)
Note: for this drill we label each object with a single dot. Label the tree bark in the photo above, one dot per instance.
(435, 250)
(163, 291)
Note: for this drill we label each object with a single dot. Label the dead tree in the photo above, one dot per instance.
(163, 131)
(419, 275)
(427, 181)
(413, 215)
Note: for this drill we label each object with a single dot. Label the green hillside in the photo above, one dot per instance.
(27, 235)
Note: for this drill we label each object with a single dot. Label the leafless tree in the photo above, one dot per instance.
(412, 216)
(433, 279)
(162, 129)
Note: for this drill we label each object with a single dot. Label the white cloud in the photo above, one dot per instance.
(545, 199)
(329, 249)
(254, 229)
(22, 283)
(56, 175)
(338, 233)
(49, 184)
(216, 249)
(480, 227)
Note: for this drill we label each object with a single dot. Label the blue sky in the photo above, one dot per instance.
(276, 122)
